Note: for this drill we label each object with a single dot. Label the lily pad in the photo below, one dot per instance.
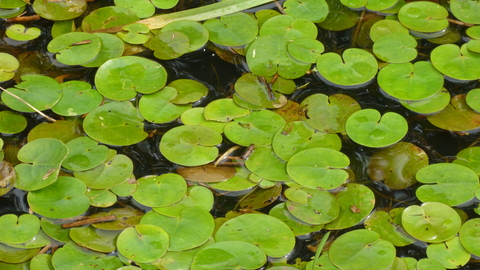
(456, 62)
(188, 90)
(72, 256)
(298, 227)
(232, 30)
(385, 27)
(305, 50)
(143, 8)
(451, 184)
(94, 239)
(196, 33)
(20, 33)
(224, 110)
(431, 222)
(397, 165)
(126, 217)
(395, 48)
(121, 78)
(354, 67)
(109, 173)
(196, 116)
(192, 228)
(84, 154)
(423, 16)
(143, 243)
(470, 234)
(65, 198)
(255, 91)
(312, 10)
(112, 47)
(356, 202)
(168, 45)
(158, 191)
(110, 122)
(239, 182)
(77, 98)
(136, 33)
(196, 196)
(276, 169)
(75, 48)
(159, 108)
(257, 128)
(469, 157)
(328, 114)
(472, 99)
(321, 207)
(101, 197)
(457, 116)
(318, 168)
(13, 255)
(367, 127)
(229, 255)
(60, 10)
(466, 11)
(361, 249)
(41, 92)
(451, 254)
(45, 155)
(389, 227)
(11, 4)
(62, 130)
(339, 17)
(106, 17)
(8, 66)
(12, 122)
(290, 27)
(18, 229)
(190, 145)
(430, 105)
(268, 233)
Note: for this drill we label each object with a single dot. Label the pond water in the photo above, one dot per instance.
(207, 67)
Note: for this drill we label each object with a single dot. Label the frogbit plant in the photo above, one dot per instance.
(315, 142)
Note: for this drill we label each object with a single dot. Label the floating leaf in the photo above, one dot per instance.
(62, 130)
(433, 104)
(109, 173)
(136, 33)
(84, 154)
(397, 165)
(470, 234)
(268, 233)
(72, 256)
(232, 30)
(101, 197)
(261, 196)
(101, 18)
(423, 16)
(121, 78)
(299, 228)
(250, 88)
(143, 8)
(451, 254)
(12, 255)
(62, 27)
(431, 222)
(77, 98)
(11, 4)
(196, 116)
(169, 45)
(94, 239)
(451, 184)
(75, 48)
(328, 114)
(112, 47)
(190, 145)
(158, 107)
(188, 90)
(8, 66)
(361, 249)
(321, 207)
(171, 188)
(385, 27)
(8, 177)
(18, 229)
(472, 99)
(466, 11)
(276, 169)
(457, 116)
(143, 243)
(395, 48)
(238, 182)
(110, 122)
(126, 217)
(20, 33)
(469, 157)
(196, 33)
(305, 50)
(312, 10)
(311, 169)
(12, 122)
(456, 62)
(339, 17)
(196, 196)
(192, 228)
(289, 27)
(55, 230)
(45, 156)
(367, 127)
(39, 91)
(224, 110)
(63, 199)
(229, 255)
(60, 10)
(389, 227)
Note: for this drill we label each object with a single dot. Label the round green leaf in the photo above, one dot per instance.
(362, 249)
(429, 264)
(75, 48)
(62, 27)
(101, 18)
(143, 243)
(276, 169)
(229, 255)
(127, 216)
(159, 108)
(451, 254)
(60, 10)
(385, 27)
(250, 88)
(11, 4)
(84, 154)
(197, 33)
(380, 5)
(45, 156)
(121, 78)
(472, 99)
(321, 207)
(63, 199)
(136, 33)
(62, 130)
(55, 230)
(112, 47)
(257, 128)
(20, 33)
(456, 62)
(395, 48)
(237, 183)
(312, 10)
(291, 28)
(389, 227)
(78, 98)
(423, 16)
(397, 165)
(8, 65)
(433, 104)
(72, 256)
(451, 184)
(11, 122)
(19, 229)
(367, 127)
(143, 8)
(108, 174)
(116, 123)
(431, 222)
(298, 136)
(224, 110)
(196, 196)
(354, 67)
(190, 145)
(232, 30)
(268, 233)
(466, 11)
(356, 202)
(305, 50)
(11, 13)
(13, 255)
(94, 239)
(169, 45)
(172, 188)
(310, 169)
(469, 157)
(298, 227)
(196, 116)
(470, 235)
(193, 227)
(188, 90)
(101, 197)
(457, 116)
(339, 17)
(41, 92)
(328, 113)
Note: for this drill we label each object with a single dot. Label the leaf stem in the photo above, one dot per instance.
(89, 221)
(28, 104)
(319, 249)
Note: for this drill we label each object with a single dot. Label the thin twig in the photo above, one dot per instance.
(24, 18)
(357, 30)
(89, 221)
(280, 8)
(225, 155)
(460, 22)
(28, 104)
